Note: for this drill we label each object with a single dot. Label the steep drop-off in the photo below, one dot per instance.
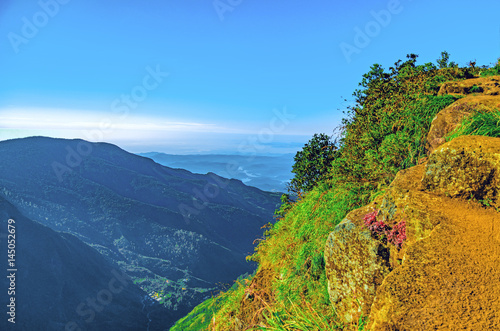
(177, 234)
(63, 284)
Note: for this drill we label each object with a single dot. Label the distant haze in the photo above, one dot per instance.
(268, 173)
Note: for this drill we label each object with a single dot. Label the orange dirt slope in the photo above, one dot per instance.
(450, 279)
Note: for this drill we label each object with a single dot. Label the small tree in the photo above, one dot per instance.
(443, 61)
(312, 163)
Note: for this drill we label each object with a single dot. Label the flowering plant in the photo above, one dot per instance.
(395, 235)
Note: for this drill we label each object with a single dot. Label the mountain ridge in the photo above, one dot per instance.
(175, 233)
(247, 168)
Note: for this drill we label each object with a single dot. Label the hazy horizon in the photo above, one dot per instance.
(245, 145)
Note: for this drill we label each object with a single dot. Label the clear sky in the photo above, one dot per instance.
(214, 76)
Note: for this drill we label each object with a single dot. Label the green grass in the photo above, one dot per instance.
(294, 317)
(481, 123)
(198, 319)
(494, 71)
(201, 316)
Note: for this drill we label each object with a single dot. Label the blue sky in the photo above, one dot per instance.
(214, 76)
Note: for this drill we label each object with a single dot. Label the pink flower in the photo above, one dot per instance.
(396, 235)
(370, 217)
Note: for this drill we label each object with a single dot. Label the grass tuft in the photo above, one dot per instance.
(480, 123)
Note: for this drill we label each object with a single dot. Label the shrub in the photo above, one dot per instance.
(312, 163)
(493, 71)
(397, 235)
(475, 89)
(378, 228)
(443, 61)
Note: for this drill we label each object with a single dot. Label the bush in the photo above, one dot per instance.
(386, 130)
(475, 89)
(380, 230)
(312, 163)
(443, 61)
(494, 71)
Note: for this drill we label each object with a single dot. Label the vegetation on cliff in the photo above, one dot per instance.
(384, 132)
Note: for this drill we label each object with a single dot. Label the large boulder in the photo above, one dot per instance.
(357, 260)
(486, 85)
(468, 166)
(451, 117)
(356, 264)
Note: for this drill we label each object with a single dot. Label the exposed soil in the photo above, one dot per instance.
(449, 280)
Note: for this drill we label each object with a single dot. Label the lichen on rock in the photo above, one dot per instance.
(356, 264)
(465, 167)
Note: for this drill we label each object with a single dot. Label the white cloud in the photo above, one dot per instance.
(138, 133)
(50, 119)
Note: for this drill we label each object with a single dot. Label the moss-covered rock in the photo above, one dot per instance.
(446, 121)
(357, 260)
(480, 94)
(487, 85)
(356, 264)
(468, 166)
(451, 117)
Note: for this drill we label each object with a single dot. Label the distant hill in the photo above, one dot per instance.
(269, 173)
(57, 274)
(177, 234)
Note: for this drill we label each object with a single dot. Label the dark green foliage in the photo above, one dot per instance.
(443, 61)
(312, 163)
(475, 89)
(493, 71)
(385, 131)
(286, 204)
